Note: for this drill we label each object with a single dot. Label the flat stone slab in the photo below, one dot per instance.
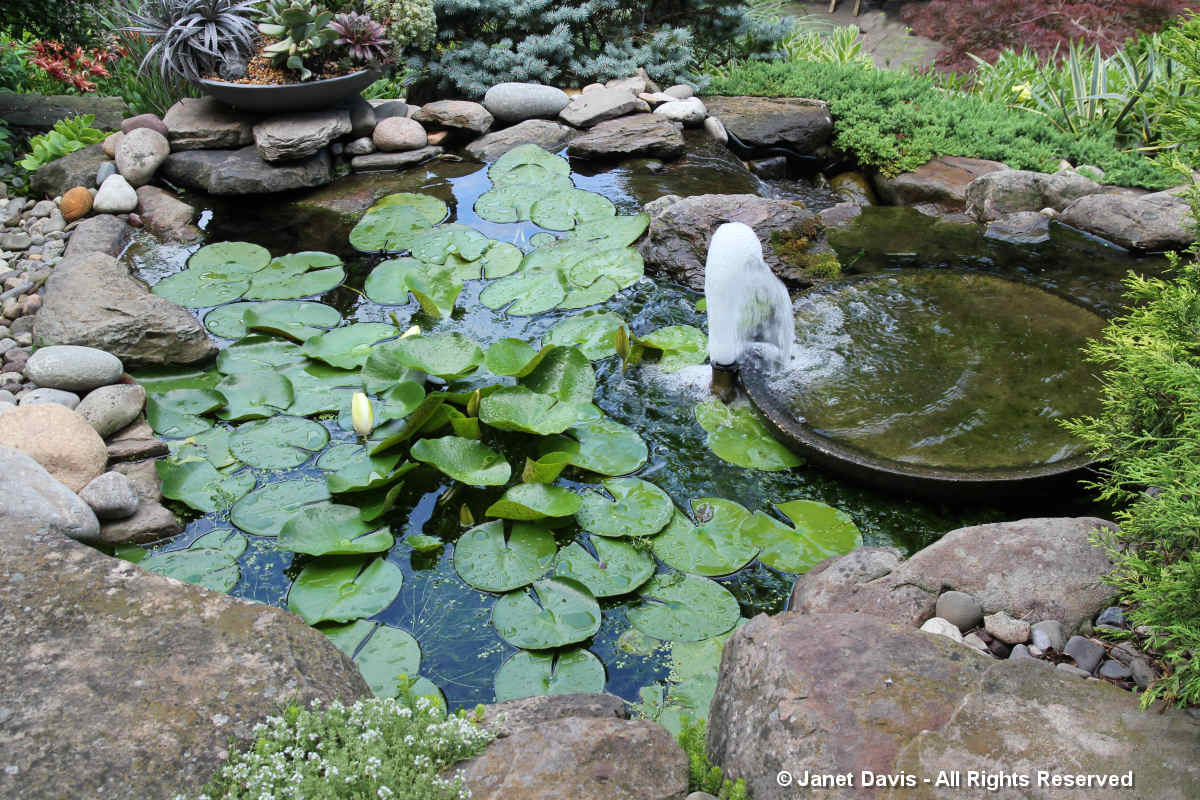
(293, 137)
(598, 105)
(196, 123)
(647, 135)
(401, 160)
(42, 111)
(235, 172)
(801, 124)
(544, 133)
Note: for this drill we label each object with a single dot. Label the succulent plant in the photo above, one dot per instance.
(194, 38)
(364, 38)
(303, 31)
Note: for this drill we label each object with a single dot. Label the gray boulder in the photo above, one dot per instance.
(938, 186)
(459, 114)
(140, 153)
(544, 133)
(1002, 192)
(517, 102)
(111, 408)
(293, 137)
(76, 369)
(165, 215)
(598, 105)
(1022, 227)
(111, 496)
(103, 233)
(646, 135)
(803, 125)
(36, 500)
(127, 684)
(73, 169)
(92, 300)
(1031, 569)
(236, 172)
(690, 112)
(206, 124)
(1159, 221)
(151, 121)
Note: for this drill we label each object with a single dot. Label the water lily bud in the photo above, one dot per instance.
(362, 414)
(473, 403)
(465, 517)
(622, 344)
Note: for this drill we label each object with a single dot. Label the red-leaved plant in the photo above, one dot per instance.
(74, 66)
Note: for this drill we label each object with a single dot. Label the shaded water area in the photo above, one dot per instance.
(460, 650)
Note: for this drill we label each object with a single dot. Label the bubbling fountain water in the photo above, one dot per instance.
(749, 309)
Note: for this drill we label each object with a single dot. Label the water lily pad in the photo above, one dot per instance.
(394, 221)
(601, 445)
(562, 210)
(617, 567)
(201, 287)
(344, 590)
(517, 408)
(488, 560)
(513, 357)
(263, 512)
(563, 613)
(638, 508)
(501, 259)
(435, 287)
(683, 608)
(230, 257)
(341, 455)
(423, 543)
(254, 395)
(717, 546)
(736, 435)
(319, 388)
(366, 473)
(278, 442)
(349, 347)
(681, 346)
(691, 682)
(620, 231)
(297, 275)
(533, 501)
(413, 424)
(464, 460)
(295, 319)
(526, 292)
(510, 167)
(211, 445)
(381, 652)
(622, 265)
(210, 561)
(820, 531)
(435, 245)
(258, 354)
(514, 202)
(198, 484)
(176, 413)
(536, 674)
(383, 370)
(564, 374)
(581, 297)
(335, 530)
(446, 355)
(593, 332)
(541, 239)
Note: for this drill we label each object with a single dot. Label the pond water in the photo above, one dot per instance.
(461, 651)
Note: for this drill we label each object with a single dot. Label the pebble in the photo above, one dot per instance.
(1048, 635)
(942, 627)
(1143, 673)
(1115, 670)
(42, 208)
(74, 368)
(398, 134)
(1020, 651)
(43, 395)
(1070, 670)
(973, 641)
(116, 196)
(6, 345)
(105, 171)
(1112, 617)
(960, 609)
(1006, 629)
(362, 146)
(111, 496)
(1086, 652)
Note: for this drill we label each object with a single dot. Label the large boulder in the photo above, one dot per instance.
(103, 233)
(646, 135)
(73, 169)
(1032, 569)
(204, 123)
(517, 102)
(33, 498)
(800, 124)
(92, 300)
(996, 194)
(237, 172)
(57, 438)
(938, 186)
(851, 695)
(292, 137)
(578, 746)
(140, 153)
(598, 105)
(680, 228)
(544, 133)
(1159, 221)
(121, 683)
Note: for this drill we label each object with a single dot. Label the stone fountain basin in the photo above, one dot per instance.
(935, 382)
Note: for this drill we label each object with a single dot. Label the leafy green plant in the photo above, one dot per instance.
(67, 136)
(373, 748)
(1177, 102)
(194, 38)
(702, 775)
(842, 45)
(304, 33)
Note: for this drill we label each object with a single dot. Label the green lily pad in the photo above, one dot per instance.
(510, 167)
(536, 674)
(176, 413)
(297, 275)
(349, 347)
(344, 590)
(446, 355)
(562, 210)
(526, 292)
(158, 380)
(736, 435)
(334, 530)
(617, 567)
(517, 408)
(514, 357)
(681, 346)
(564, 374)
(199, 485)
(413, 423)
(514, 202)
(501, 259)
(422, 543)
(691, 683)
(278, 442)
(230, 257)
(542, 239)
(620, 231)
(434, 246)
(820, 531)
(367, 473)
(381, 652)
(563, 613)
(544, 470)
(264, 511)
(638, 508)
(435, 287)
(464, 460)
(383, 369)
(258, 354)
(593, 332)
(211, 445)
(210, 561)
(341, 455)
(254, 395)
(683, 608)
(395, 221)
(718, 546)
(295, 319)
(533, 501)
(601, 445)
(319, 389)
(622, 265)
(488, 560)
(581, 297)
(198, 287)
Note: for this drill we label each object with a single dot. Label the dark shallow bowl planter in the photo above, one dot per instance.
(281, 98)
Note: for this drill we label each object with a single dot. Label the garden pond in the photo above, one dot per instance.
(550, 500)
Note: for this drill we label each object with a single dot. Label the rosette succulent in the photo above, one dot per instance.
(365, 39)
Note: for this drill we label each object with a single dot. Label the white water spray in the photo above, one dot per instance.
(747, 305)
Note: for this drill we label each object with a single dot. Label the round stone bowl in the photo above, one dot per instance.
(935, 383)
(286, 97)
